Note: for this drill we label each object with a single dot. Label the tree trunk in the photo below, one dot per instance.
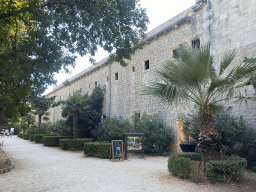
(39, 123)
(74, 123)
(209, 138)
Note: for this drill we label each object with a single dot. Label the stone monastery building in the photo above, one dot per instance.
(226, 24)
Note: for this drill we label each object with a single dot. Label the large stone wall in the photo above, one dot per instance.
(226, 24)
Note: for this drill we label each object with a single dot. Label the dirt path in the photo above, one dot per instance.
(40, 168)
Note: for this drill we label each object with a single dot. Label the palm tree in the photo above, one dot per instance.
(193, 76)
(73, 105)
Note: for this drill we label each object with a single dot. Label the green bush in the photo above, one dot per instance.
(229, 168)
(112, 128)
(99, 149)
(25, 136)
(20, 135)
(53, 140)
(237, 138)
(32, 137)
(179, 165)
(157, 136)
(73, 144)
(38, 138)
(59, 128)
(191, 155)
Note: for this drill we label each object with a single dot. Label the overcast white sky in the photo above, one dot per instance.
(158, 12)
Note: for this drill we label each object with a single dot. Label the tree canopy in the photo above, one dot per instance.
(40, 37)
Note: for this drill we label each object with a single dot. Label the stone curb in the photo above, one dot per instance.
(7, 169)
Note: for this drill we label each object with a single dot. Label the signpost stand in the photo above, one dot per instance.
(116, 149)
(139, 148)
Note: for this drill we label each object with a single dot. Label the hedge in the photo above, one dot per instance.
(25, 136)
(38, 138)
(179, 165)
(20, 135)
(53, 140)
(99, 149)
(73, 144)
(226, 169)
(32, 137)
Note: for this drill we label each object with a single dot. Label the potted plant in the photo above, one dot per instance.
(189, 144)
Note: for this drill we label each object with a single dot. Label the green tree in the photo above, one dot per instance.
(40, 37)
(41, 106)
(88, 118)
(74, 104)
(28, 119)
(192, 76)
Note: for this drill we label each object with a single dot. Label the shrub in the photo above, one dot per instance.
(20, 135)
(157, 136)
(229, 168)
(32, 137)
(237, 138)
(100, 149)
(25, 136)
(112, 128)
(53, 140)
(38, 138)
(59, 128)
(191, 155)
(73, 144)
(179, 165)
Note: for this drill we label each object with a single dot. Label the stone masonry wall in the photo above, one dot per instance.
(226, 24)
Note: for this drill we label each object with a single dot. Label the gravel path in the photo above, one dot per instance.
(40, 168)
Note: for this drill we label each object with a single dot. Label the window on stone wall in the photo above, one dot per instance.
(89, 86)
(133, 69)
(107, 79)
(175, 53)
(96, 83)
(196, 43)
(80, 90)
(147, 65)
(137, 114)
(60, 97)
(104, 116)
(116, 76)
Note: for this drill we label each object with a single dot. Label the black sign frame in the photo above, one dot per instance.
(141, 137)
(116, 149)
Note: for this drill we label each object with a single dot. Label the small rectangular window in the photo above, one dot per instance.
(80, 90)
(175, 53)
(116, 76)
(133, 69)
(89, 86)
(96, 84)
(137, 115)
(107, 79)
(60, 97)
(147, 65)
(196, 43)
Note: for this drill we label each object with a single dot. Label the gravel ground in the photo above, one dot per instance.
(40, 168)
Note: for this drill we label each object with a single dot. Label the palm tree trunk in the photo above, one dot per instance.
(39, 123)
(209, 138)
(74, 123)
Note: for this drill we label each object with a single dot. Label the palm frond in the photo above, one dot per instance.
(226, 60)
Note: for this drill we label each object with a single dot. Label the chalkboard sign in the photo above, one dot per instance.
(117, 145)
(116, 150)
